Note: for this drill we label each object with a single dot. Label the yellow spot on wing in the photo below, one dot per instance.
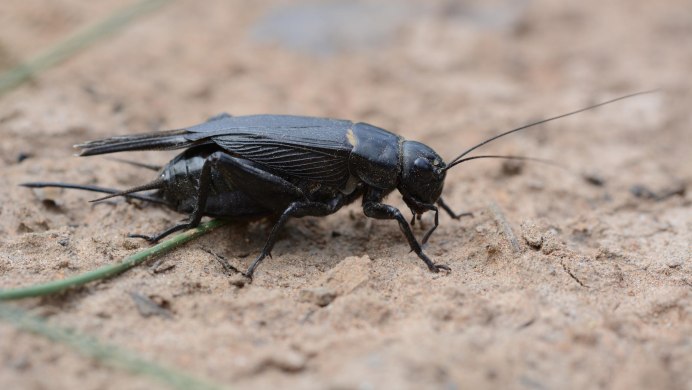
(351, 137)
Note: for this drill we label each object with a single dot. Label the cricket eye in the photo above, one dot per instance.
(422, 164)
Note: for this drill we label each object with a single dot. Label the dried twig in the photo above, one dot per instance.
(506, 228)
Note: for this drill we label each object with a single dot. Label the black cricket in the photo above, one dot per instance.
(290, 166)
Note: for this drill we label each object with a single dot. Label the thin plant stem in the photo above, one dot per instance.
(111, 269)
(104, 353)
(65, 49)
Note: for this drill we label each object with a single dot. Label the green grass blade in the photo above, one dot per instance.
(102, 352)
(111, 269)
(73, 44)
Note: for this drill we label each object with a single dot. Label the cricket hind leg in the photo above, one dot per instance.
(296, 209)
(265, 189)
(275, 194)
(195, 217)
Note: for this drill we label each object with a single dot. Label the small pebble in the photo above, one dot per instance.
(641, 191)
(284, 360)
(512, 167)
(22, 156)
(131, 244)
(320, 296)
(161, 266)
(238, 280)
(551, 242)
(532, 234)
(148, 307)
(674, 263)
(594, 179)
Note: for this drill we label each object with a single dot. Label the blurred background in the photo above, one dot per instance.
(446, 66)
(446, 73)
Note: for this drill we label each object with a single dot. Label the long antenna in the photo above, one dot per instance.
(522, 158)
(457, 159)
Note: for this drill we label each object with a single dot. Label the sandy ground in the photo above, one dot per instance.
(556, 282)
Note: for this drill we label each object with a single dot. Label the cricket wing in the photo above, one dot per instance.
(315, 149)
(157, 140)
(160, 140)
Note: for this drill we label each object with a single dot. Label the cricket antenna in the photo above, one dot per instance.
(552, 163)
(459, 159)
(521, 158)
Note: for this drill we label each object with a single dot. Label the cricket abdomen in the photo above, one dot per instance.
(181, 188)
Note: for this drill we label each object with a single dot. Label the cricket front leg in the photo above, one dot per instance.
(450, 212)
(374, 208)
